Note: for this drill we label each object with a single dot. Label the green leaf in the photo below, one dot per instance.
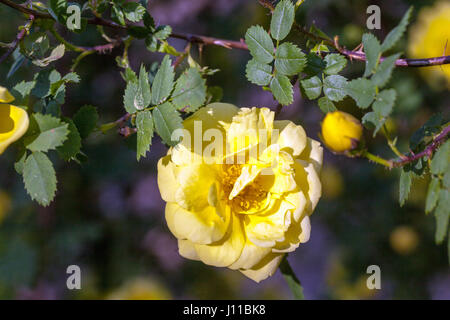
(117, 15)
(362, 91)
(372, 48)
(282, 89)
(137, 94)
(39, 178)
(162, 32)
(42, 86)
(45, 133)
(133, 11)
(72, 146)
(24, 88)
(384, 70)
(432, 195)
(312, 87)
(258, 73)
(289, 59)
(190, 90)
(334, 87)
(442, 214)
(86, 120)
(315, 65)
(259, 43)
(441, 158)
(335, 63)
(326, 105)
(57, 9)
(291, 279)
(396, 33)
(385, 102)
(405, 186)
(432, 126)
(166, 120)
(163, 82)
(138, 32)
(282, 20)
(144, 125)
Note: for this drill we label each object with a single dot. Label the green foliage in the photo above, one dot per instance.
(289, 59)
(384, 71)
(405, 185)
(335, 63)
(258, 73)
(334, 87)
(144, 126)
(396, 33)
(167, 120)
(282, 20)
(260, 45)
(312, 87)
(39, 178)
(282, 89)
(190, 91)
(372, 48)
(86, 120)
(45, 133)
(163, 83)
(326, 105)
(363, 91)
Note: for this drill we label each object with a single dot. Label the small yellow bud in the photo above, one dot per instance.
(341, 131)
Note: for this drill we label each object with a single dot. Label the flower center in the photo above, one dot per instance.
(250, 199)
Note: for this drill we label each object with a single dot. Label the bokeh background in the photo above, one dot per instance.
(108, 216)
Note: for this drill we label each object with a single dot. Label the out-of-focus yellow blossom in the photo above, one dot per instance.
(404, 240)
(332, 182)
(430, 37)
(242, 216)
(5, 205)
(141, 289)
(13, 120)
(341, 131)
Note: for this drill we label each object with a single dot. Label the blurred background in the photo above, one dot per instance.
(108, 216)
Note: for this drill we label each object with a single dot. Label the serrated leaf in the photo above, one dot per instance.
(432, 126)
(334, 87)
(282, 89)
(384, 71)
(138, 32)
(289, 59)
(372, 49)
(282, 20)
(24, 88)
(137, 94)
(133, 11)
(144, 125)
(441, 158)
(42, 87)
(117, 15)
(312, 87)
(86, 120)
(384, 102)
(45, 133)
(315, 65)
(39, 178)
(162, 32)
(405, 186)
(163, 83)
(396, 33)
(190, 90)
(326, 105)
(259, 43)
(442, 214)
(362, 91)
(258, 73)
(432, 195)
(335, 63)
(167, 119)
(72, 146)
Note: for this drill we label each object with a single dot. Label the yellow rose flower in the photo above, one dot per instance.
(341, 131)
(430, 37)
(13, 120)
(140, 289)
(244, 215)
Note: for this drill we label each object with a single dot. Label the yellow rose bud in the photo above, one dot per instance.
(341, 131)
(13, 120)
(242, 213)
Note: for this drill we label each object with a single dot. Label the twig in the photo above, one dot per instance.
(17, 40)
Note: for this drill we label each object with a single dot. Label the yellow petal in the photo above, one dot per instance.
(13, 125)
(296, 234)
(203, 227)
(313, 153)
(265, 268)
(5, 96)
(187, 250)
(308, 182)
(247, 176)
(292, 137)
(250, 256)
(226, 251)
(167, 183)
